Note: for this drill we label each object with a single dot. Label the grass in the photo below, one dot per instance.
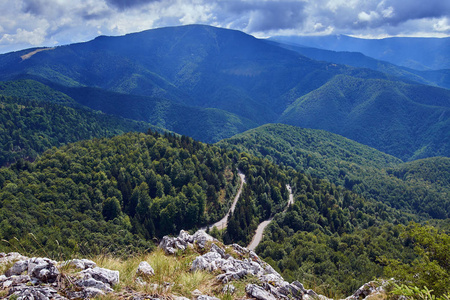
(172, 274)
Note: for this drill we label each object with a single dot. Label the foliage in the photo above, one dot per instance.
(414, 292)
(405, 120)
(263, 195)
(431, 268)
(115, 194)
(29, 127)
(420, 187)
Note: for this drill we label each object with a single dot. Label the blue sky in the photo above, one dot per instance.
(36, 23)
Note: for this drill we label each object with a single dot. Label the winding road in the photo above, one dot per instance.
(260, 230)
(223, 222)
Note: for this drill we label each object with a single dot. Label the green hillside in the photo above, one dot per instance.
(205, 124)
(113, 194)
(407, 121)
(359, 168)
(33, 90)
(29, 127)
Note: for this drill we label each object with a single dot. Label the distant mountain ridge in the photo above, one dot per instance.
(213, 83)
(439, 78)
(411, 52)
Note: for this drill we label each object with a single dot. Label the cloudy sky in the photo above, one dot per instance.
(35, 23)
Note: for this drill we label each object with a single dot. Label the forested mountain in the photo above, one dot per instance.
(407, 121)
(29, 127)
(191, 78)
(414, 53)
(114, 194)
(419, 186)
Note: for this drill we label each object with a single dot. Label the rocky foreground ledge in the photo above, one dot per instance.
(43, 278)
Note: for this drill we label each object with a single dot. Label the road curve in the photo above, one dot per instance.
(260, 230)
(223, 222)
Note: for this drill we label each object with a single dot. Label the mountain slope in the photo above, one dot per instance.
(407, 121)
(196, 65)
(29, 127)
(439, 78)
(359, 168)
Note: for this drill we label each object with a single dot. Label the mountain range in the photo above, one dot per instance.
(411, 52)
(340, 211)
(212, 83)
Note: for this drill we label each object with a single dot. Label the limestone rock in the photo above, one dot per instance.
(145, 269)
(45, 271)
(104, 275)
(17, 269)
(86, 293)
(93, 283)
(81, 264)
(6, 258)
(367, 289)
(258, 292)
(34, 292)
(172, 244)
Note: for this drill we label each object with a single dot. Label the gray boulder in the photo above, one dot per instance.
(145, 269)
(104, 275)
(81, 264)
(93, 283)
(17, 269)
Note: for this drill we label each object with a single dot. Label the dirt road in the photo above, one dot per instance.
(260, 230)
(223, 222)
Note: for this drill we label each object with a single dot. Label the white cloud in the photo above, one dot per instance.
(368, 17)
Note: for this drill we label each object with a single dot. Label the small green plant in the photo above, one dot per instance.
(414, 292)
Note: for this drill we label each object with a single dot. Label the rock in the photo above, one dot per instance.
(91, 282)
(14, 280)
(367, 289)
(87, 293)
(145, 269)
(217, 249)
(196, 293)
(6, 258)
(34, 292)
(81, 264)
(43, 269)
(180, 298)
(258, 292)
(17, 269)
(170, 245)
(104, 275)
(201, 238)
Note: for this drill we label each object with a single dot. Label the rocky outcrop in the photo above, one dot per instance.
(170, 245)
(41, 278)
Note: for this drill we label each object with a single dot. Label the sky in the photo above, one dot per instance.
(39, 23)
